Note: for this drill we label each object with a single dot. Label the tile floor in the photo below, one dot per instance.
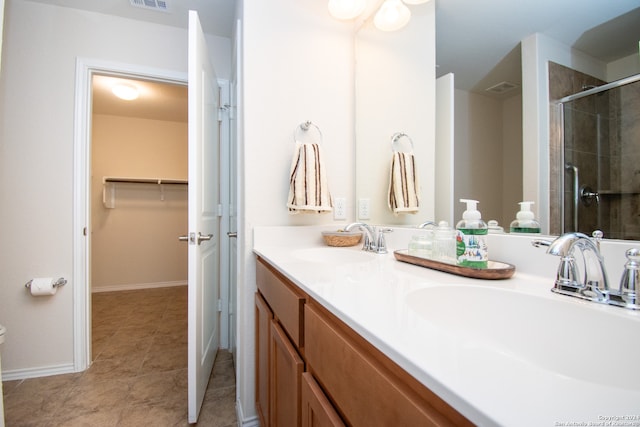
(139, 373)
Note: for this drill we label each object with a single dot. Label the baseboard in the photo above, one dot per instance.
(21, 374)
(137, 286)
(242, 422)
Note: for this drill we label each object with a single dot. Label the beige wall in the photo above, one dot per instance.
(512, 158)
(488, 155)
(37, 89)
(135, 244)
(400, 96)
(478, 154)
(297, 65)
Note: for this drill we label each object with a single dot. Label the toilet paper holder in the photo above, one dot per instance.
(60, 282)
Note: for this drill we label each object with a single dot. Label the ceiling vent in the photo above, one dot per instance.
(159, 5)
(501, 88)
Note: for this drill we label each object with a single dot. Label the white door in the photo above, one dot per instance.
(204, 222)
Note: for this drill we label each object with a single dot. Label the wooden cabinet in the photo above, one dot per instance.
(365, 386)
(279, 339)
(264, 317)
(285, 374)
(312, 370)
(316, 409)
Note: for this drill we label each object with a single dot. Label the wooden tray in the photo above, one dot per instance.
(495, 270)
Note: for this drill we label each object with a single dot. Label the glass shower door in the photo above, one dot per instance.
(601, 139)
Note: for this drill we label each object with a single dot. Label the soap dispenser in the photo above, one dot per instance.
(472, 244)
(494, 227)
(525, 222)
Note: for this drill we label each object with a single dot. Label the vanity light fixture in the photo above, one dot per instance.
(346, 9)
(125, 91)
(392, 15)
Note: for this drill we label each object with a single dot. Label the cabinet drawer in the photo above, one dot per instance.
(286, 304)
(366, 387)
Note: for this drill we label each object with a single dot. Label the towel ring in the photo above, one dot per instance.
(398, 136)
(303, 130)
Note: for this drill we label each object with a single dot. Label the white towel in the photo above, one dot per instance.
(404, 188)
(308, 189)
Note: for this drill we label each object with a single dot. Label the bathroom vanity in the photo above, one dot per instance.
(312, 366)
(346, 337)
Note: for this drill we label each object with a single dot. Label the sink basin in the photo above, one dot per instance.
(567, 338)
(333, 255)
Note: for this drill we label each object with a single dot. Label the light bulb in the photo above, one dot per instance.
(392, 16)
(346, 9)
(415, 1)
(126, 92)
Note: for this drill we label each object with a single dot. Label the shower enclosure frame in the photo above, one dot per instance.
(576, 191)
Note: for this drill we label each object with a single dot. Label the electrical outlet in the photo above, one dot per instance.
(364, 206)
(339, 208)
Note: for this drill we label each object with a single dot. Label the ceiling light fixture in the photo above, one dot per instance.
(392, 15)
(346, 9)
(125, 91)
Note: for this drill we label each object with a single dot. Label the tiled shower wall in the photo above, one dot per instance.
(601, 138)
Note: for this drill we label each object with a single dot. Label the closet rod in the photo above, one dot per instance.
(145, 180)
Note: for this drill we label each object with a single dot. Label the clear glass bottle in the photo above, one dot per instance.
(444, 243)
(421, 245)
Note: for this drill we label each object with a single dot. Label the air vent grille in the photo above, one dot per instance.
(502, 87)
(160, 5)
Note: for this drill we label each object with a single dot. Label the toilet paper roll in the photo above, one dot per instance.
(43, 286)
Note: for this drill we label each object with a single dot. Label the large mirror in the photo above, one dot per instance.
(495, 55)
(395, 94)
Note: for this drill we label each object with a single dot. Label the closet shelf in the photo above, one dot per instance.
(109, 190)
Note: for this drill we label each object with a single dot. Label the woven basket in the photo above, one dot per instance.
(341, 238)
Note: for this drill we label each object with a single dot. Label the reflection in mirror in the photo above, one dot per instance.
(602, 42)
(502, 153)
(599, 130)
(395, 92)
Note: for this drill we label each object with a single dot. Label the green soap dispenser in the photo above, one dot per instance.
(525, 222)
(471, 241)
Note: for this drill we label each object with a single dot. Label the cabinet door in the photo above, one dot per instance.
(263, 337)
(317, 411)
(366, 387)
(286, 369)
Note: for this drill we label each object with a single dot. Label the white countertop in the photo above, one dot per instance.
(487, 382)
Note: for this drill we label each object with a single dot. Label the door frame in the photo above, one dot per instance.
(85, 69)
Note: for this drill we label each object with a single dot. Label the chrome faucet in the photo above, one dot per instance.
(426, 223)
(595, 285)
(630, 281)
(374, 240)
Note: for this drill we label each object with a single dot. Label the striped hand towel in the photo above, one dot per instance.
(308, 189)
(404, 188)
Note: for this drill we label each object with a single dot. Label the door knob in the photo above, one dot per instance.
(201, 238)
(232, 233)
(195, 239)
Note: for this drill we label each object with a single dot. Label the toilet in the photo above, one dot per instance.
(2, 331)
